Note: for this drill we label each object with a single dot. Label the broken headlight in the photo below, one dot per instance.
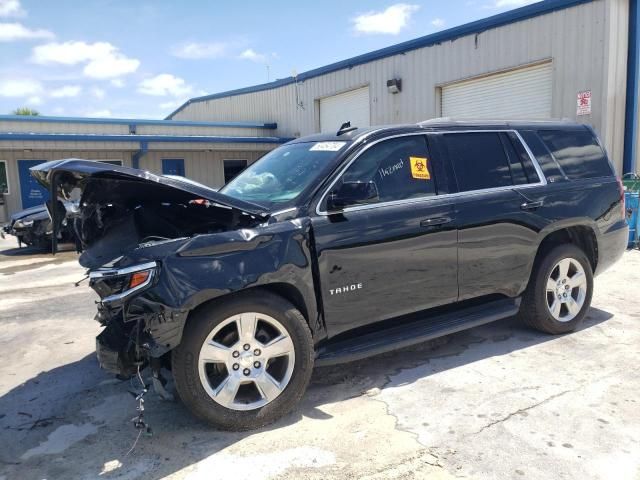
(113, 284)
(23, 224)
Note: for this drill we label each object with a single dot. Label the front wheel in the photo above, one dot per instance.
(559, 292)
(244, 362)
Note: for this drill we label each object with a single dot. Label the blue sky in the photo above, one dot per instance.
(142, 59)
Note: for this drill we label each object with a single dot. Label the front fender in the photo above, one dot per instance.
(211, 266)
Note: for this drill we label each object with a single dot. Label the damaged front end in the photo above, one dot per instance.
(124, 343)
(131, 226)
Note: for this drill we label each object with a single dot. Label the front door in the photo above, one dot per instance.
(31, 192)
(395, 255)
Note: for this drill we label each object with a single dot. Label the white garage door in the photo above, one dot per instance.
(351, 106)
(523, 93)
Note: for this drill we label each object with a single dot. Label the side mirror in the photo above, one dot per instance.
(351, 193)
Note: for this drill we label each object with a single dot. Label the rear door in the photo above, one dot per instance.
(496, 210)
(396, 255)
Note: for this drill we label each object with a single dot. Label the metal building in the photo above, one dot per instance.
(209, 152)
(575, 59)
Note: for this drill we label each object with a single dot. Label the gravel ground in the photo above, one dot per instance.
(495, 402)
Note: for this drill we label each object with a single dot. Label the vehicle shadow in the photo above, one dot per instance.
(28, 251)
(80, 394)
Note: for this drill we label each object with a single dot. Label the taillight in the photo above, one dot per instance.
(622, 201)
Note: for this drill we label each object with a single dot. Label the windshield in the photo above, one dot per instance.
(278, 178)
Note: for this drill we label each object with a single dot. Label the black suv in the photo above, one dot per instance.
(335, 247)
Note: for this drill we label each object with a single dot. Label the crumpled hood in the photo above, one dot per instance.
(122, 209)
(39, 212)
(72, 173)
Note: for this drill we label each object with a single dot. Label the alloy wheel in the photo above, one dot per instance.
(566, 289)
(246, 361)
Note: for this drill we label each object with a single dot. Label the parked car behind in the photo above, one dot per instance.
(33, 227)
(335, 247)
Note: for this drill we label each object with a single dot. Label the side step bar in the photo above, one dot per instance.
(414, 332)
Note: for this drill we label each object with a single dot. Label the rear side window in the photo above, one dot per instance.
(479, 160)
(577, 153)
(525, 160)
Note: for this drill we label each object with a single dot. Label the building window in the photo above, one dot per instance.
(233, 168)
(4, 178)
(173, 166)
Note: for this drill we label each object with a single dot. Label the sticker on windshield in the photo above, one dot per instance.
(327, 146)
(419, 168)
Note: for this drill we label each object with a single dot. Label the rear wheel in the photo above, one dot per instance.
(244, 363)
(559, 293)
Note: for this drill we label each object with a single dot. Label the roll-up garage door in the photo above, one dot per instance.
(522, 93)
(351, 106)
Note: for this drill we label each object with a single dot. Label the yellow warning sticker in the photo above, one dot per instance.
(419, 168)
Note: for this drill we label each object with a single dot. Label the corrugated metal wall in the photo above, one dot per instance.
(586, 44)
(117, 129)
(204, 167)
(202, 162)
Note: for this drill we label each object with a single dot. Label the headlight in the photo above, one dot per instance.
(114, 284)
(23, 224)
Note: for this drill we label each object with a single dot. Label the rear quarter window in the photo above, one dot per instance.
(577, 152)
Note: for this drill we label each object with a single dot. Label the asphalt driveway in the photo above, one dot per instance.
(495, 402)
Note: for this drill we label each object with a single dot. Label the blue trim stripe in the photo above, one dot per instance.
(629, 160)
(74, 137)
(512, 16)
(135, 121)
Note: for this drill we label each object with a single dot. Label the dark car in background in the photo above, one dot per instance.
(33, 226)
(335, 247)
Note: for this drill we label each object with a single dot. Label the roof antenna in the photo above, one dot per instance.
(345, 128)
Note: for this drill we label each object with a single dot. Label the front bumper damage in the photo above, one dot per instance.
(139, 329)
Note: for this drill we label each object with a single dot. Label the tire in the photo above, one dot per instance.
(254, 404)
(539, 301)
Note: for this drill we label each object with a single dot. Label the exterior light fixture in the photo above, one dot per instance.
(394, 85)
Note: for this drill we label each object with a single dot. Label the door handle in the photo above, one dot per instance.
(531, 205)
(434, 222)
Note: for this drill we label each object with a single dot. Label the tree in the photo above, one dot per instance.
(26, 111)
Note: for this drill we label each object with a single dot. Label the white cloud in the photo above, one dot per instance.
(195, 50)
(389, 21)
(20, 88)
(34, 101)
(117, 82)
(99, 113)
(101, 60)
(11, 32)
(98, 92)
(66, 91)
(164, 85)
(511, 3)
(438, 22)
(251, 54)
(11, 8)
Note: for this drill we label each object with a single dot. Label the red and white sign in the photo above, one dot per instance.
(584, 103)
